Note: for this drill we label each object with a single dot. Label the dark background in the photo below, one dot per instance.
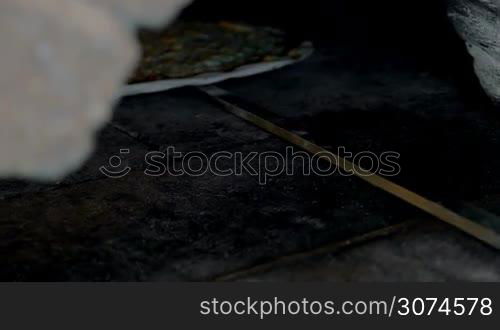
(416, 30)
(384, 21)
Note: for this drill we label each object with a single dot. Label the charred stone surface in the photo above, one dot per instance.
(197, 228)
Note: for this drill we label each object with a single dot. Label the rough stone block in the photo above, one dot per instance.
(478, 22)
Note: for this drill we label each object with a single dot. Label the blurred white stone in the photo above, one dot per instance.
(62, 64)
(151, 13)
(478, 22)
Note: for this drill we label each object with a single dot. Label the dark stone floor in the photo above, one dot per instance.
(90, 227)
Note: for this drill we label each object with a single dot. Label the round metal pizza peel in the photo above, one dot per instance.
(305, 50)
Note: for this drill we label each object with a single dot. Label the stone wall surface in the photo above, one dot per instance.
(478, 22)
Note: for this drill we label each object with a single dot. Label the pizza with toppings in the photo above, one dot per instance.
(188, 49)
